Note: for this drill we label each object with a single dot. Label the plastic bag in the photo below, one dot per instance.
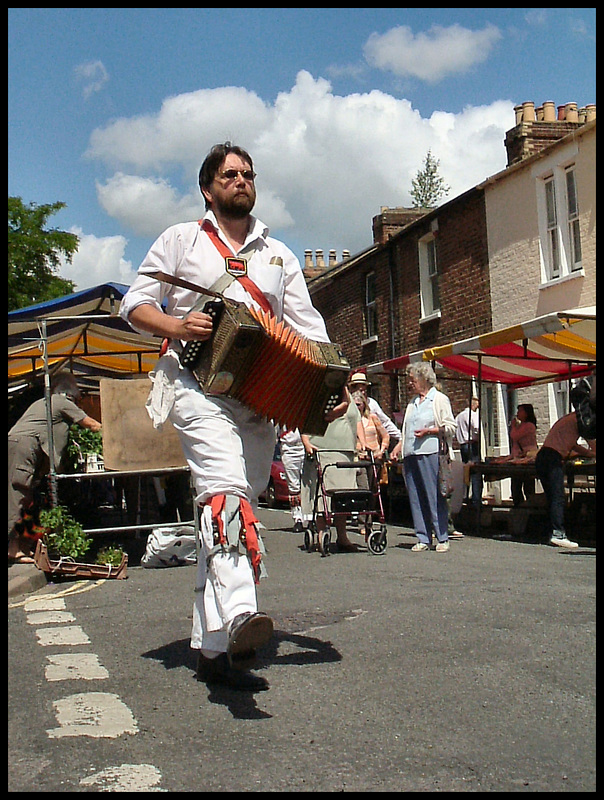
(446, 483)
(170, 547)
(584, 402)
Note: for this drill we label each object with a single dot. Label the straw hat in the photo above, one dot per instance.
(360, 377)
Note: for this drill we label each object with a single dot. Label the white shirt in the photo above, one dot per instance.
(187, 252)
(467, 426)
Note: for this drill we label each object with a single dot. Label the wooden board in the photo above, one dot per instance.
(130, 442)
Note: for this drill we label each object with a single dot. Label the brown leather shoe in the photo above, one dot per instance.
(247, 632)
(218, 671)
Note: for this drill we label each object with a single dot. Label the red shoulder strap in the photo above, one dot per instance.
(247, 283)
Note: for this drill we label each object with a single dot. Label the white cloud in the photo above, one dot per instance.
(433, 55)
(92, 75)
(325, 163)
(146, 205)
(179, 132)
(98, 260)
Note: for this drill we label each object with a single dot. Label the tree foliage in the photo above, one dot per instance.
(34, 254)
(428, 187)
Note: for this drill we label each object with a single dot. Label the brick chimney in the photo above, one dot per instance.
(392, 220)
(313, 268)
(537, 128)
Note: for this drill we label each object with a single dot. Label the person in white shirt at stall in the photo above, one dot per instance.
(467, 433)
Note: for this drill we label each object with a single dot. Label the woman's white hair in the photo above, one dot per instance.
(423, 372)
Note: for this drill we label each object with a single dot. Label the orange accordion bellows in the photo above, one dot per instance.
(270, 368)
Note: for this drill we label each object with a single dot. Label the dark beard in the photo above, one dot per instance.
(237, 207)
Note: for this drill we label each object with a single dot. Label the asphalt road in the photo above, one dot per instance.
(468, 671)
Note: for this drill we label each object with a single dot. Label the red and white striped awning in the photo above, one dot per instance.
(556, 346)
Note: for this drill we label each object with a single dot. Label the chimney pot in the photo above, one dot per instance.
(571, 112)
(549, 111)
(320, 259)
(528, 112)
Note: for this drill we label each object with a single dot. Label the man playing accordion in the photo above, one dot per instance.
(228, 446)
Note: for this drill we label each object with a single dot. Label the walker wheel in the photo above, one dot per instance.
(377, 541)
(324, 539)
(308, 540)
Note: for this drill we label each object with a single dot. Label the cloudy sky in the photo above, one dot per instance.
(112, 111)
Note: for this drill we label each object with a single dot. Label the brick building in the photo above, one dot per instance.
(516, 246)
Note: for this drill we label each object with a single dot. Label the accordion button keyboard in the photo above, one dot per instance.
(193, 349)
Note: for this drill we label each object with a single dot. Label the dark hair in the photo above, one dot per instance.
(214, 159)
(530, 413)
(65, 383)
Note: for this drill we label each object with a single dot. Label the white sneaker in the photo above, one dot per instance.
(562, 541)
(419, 547)
(442, 547)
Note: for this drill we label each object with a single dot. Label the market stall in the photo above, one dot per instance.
(557, 346)
(83, 332)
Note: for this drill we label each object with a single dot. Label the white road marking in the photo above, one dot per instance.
(92, 714)
(68, 636)
(75, 666)
(100, 715)
(48, 617)
(126, 778)
(45, 603)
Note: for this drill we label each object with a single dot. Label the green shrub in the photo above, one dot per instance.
(111, 556)
(64, 535)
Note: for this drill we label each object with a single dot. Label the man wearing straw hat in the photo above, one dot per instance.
(360, 382)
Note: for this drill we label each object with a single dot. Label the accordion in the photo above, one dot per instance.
(268, 367)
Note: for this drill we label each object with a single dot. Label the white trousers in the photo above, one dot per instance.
(293, 455)
(229, 450)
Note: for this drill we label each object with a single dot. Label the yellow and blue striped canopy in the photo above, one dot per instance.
(81, 332)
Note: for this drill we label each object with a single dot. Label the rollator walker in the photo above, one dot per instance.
(333, 503)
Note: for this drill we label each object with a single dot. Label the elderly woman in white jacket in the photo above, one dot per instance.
(428, 413)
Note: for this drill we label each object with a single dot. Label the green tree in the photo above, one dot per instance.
(428, 187)
(34, 254)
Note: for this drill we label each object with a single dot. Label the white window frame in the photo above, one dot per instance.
(559, 219)
(573, 220)
(552, 244)
(371, 314)
(428, 275)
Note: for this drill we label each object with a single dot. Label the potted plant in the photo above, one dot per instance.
(85, 449)
(110, 556)
(65, 541)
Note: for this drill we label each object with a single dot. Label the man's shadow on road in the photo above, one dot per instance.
(242, 705)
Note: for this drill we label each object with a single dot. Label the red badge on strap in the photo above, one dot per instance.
(237, 267)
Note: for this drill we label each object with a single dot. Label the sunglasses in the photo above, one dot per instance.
(231, 174)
